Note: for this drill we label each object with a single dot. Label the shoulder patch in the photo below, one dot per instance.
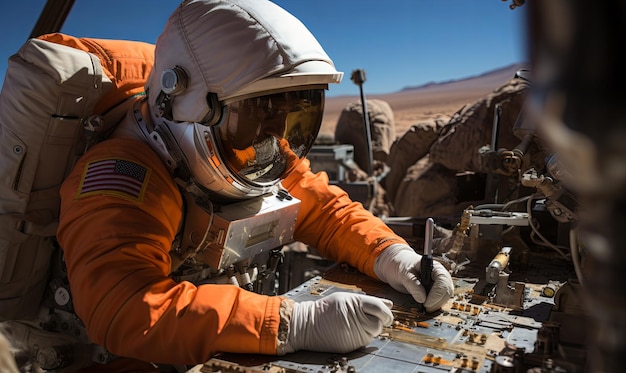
(114, 177)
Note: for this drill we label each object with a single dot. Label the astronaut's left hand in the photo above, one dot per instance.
(399, 266)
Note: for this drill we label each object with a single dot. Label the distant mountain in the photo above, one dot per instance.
(488, 78)
(416, 103)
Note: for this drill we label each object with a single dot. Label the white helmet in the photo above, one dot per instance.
(237, 93)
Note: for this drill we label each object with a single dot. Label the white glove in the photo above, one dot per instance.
(399, 266)
(340, 322)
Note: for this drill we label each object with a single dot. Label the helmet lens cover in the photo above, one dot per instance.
(263, 138)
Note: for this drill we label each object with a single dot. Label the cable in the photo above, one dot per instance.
(489, 206)
(535, 229)
(519, 200)
(500, 206)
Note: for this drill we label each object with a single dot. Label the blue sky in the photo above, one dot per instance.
(399, 43)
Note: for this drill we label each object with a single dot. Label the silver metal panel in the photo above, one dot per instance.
(245, 229)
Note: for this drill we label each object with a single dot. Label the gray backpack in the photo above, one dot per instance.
(60, 95)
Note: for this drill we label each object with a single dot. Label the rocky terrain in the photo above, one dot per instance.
(424, 103)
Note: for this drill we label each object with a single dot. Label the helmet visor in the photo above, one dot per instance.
(263, 138)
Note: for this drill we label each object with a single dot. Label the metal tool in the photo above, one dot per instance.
(426, 270)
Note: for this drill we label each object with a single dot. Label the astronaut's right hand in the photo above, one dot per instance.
(340, 322)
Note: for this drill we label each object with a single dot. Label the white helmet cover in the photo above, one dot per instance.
(250, 72)
(233, 48)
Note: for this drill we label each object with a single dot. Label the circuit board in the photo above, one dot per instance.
(471, 333)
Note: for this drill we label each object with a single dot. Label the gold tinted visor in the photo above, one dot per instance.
(263, 138)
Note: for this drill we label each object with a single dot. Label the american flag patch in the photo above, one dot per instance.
(116, 177)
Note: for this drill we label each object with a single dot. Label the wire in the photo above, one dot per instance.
(489, 206)
(533, 225)
(535, 228)
(501, 206)
(519, 200)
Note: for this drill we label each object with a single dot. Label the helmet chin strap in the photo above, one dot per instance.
(164, 105)
(160, 139)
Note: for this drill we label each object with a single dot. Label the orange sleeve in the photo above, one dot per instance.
(116, 243)
(127, 63)
(342, 230)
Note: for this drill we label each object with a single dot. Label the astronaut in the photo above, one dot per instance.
(233, 105)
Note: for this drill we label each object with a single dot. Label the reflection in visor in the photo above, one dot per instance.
(263, 138)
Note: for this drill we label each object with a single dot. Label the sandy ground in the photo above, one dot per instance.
(417, 105)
